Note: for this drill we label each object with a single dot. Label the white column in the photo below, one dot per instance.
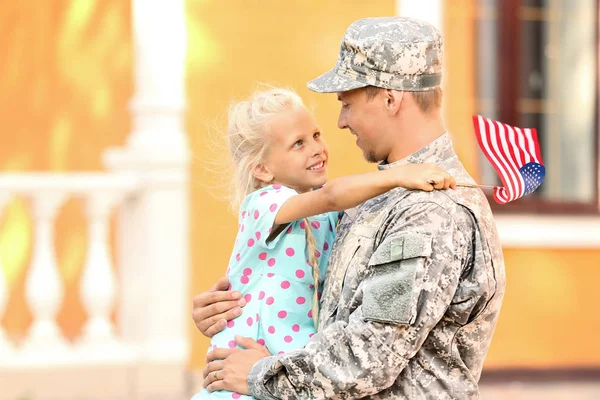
(431, 11)
(44, 289)
(5, 345)
(98, 286)
(154, 300)
(159, 62)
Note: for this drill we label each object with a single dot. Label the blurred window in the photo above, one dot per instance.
(537, 67)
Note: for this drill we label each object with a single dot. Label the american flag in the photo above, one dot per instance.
(515, 155)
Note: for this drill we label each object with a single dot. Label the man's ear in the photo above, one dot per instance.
(262, 173)
(393, 99)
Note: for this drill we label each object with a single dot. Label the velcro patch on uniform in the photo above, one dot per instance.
(390, 290)
(401, 248)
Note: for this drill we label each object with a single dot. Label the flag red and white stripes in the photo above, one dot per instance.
(515, 155)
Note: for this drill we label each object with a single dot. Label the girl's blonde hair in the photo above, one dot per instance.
(248, 144)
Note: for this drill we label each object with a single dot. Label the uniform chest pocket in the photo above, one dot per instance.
(392, 286)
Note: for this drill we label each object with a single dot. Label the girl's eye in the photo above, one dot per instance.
(298, 143)
(317, 135)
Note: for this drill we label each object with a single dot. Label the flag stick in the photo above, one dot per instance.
(470, 185)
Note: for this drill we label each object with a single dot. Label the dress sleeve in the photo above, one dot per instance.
(261, 211)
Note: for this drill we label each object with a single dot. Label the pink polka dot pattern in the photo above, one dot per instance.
(236, 395)
(275, 278)
(276, 186)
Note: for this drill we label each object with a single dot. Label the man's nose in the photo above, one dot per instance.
(342, 120)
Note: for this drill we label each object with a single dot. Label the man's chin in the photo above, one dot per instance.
(371, 157)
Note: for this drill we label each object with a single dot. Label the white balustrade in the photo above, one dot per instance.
(43, 288)
(98, 286)
(5, 346)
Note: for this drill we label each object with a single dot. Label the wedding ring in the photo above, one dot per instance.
(215, 376)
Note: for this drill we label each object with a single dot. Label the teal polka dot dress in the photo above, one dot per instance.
(275, 278)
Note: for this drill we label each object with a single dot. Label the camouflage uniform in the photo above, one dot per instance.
(412, 295)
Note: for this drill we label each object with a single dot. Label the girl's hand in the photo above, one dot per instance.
(425, 177)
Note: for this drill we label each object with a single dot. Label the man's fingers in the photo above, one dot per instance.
(221, 285)
(216, 385)
(219, 354)
(211, 367)
(208, 316)
(214, 329)
(211, 297)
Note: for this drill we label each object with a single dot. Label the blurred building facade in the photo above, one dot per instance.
(81, 77)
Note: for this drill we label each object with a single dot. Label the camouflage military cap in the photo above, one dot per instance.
(390, 52)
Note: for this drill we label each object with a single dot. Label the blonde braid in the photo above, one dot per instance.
(313, 260)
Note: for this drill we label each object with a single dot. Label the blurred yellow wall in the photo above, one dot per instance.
(66, 71)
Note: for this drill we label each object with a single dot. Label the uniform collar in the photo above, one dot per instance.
(433, 153)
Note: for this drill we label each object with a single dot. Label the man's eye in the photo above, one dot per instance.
(317, 135)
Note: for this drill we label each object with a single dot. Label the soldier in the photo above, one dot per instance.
(415, 279)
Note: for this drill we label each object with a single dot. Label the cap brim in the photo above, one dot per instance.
(330, 82)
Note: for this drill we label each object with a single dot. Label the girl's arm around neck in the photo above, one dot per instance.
(350, 191)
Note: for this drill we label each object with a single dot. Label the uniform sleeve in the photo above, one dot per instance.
(262, 210)
(412, 277)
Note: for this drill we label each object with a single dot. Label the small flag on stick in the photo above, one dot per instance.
(515, 155)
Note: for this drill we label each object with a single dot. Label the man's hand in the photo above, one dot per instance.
(214, 308)
(228, 369)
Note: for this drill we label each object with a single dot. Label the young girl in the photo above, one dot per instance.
(286, 229)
